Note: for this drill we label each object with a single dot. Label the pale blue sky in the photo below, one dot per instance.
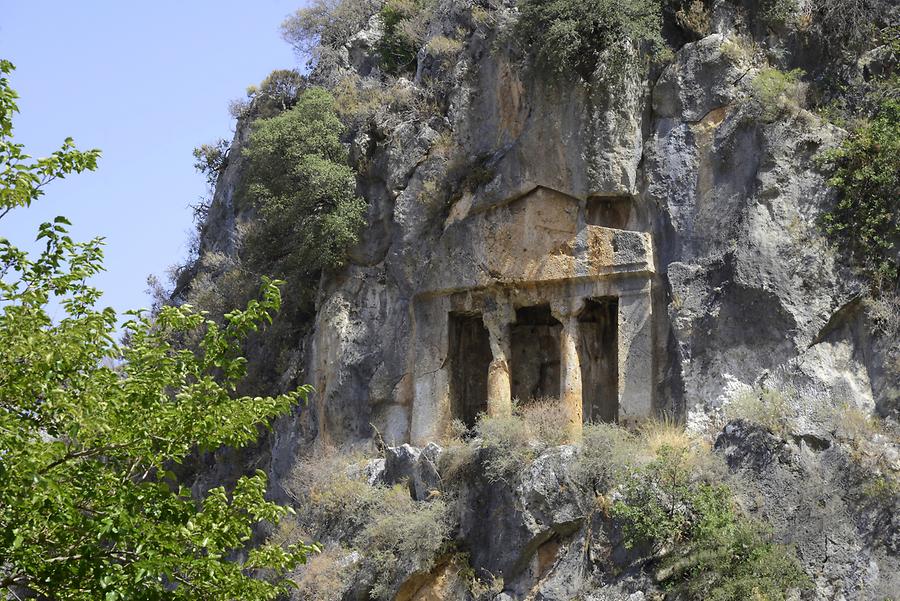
(146, 83)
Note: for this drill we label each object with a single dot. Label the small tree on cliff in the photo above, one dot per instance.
(88, 427)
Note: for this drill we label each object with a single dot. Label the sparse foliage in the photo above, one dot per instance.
(210, 159)
(443, 46)
(778, 92)
(853, 24)
(511, 443)
(405, 23)
(693, 16)
(326, 24)
(324, 577)
(779, 12)
(607, 452)
(772, 408)
(393, 533)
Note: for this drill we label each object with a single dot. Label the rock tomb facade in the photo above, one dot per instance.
(539, 296)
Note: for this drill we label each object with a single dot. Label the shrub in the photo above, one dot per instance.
(276, 93)
(443, 46)
(511, 443)
(214, 293)
(884, 309)
(210, 159)
(735, 560)
(323, 578)
(331, 500)
(607, 452)
(458, 458)
(459, 454)
(405, 24)
(771, 408)
(506, 444)
(853, 24)
(739, 49)
(865, 171)
(693, 16)
(402, 536)
(708, 551)
(870, 441)
(297, 179)
(394, 534)
(779, 12)
(355, 103)
(577, 35)
(657, 501)
(547, 421)
(778, 92)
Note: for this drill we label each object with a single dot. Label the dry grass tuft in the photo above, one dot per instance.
(546, 419)
(665, 431)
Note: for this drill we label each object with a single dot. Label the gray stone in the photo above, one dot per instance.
(813, 497)
(416, 467)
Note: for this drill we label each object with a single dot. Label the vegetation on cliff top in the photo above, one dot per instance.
(304, 192)
(296, 183)
(577, 36)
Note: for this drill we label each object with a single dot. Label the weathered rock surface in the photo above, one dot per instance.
(543, 505)
(540, 537)
(745, 292)
(814, 496)
(417, 467)
(747, 287)
(721, 220)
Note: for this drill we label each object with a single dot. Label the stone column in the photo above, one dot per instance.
(497, 322)
(570, 394)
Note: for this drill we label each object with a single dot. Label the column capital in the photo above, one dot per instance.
(565, 309)
(498, 314)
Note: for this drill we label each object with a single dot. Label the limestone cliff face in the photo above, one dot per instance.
(660, 205)
(743, 290)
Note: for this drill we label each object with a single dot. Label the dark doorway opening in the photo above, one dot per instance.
(470, 356)
(598, 352)
(608, 211)
(534, 369)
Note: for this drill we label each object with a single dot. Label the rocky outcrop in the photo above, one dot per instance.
(545, 505)
(541, 536)
(816, 497)
(745, 287)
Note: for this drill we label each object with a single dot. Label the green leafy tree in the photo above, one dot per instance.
(89, 427)
(299, 181)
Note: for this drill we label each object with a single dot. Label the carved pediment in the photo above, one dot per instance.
(540, 236)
